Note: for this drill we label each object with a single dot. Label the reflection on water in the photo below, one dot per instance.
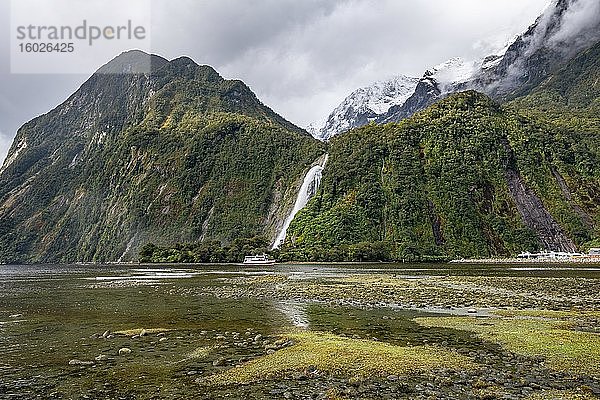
(295, 311)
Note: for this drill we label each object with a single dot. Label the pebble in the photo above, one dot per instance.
(219, 362)
(79, 362)
(124, 351)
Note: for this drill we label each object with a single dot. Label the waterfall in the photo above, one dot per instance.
(309, 187)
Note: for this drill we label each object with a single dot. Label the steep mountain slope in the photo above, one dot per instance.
(176, 155)
(564, 29)
(436, 83)
(571, 97)
(367, 104)
(462, 178)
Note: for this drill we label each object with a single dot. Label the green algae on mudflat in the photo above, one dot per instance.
(549, 314)
(562, 395)
(563, 348)
(342, 356)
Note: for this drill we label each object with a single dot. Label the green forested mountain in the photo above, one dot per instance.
(571, 97)
(464, 178)
(177, 155)
(186, 166)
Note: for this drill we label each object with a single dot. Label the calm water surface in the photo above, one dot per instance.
(51, 315)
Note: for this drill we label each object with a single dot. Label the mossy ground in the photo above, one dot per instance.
(550, 314)
(342, 356)
(562, 395)
(563, 348)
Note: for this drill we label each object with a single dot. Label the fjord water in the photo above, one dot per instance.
(53, 319)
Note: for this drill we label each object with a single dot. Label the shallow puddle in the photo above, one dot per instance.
(58, 330)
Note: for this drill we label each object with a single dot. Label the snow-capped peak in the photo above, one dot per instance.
(366, 104)
(451, 72)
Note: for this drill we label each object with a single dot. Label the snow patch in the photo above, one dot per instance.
(451, 72)
(21, 145)
(366, 104)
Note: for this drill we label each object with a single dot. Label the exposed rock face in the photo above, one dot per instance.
(536, 217)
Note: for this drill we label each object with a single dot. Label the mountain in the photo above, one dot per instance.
(365, 105)
(570, 98)
(175, 155)
(464, 178)
(436, 83)
(564, 29)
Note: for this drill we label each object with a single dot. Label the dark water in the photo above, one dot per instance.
(51, 315)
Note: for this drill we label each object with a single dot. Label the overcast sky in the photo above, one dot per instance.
(301, 57)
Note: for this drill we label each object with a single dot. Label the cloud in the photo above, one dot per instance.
(5, 142)
(579, 23)
(302, 58)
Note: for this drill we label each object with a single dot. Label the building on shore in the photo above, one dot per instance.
(549, 255)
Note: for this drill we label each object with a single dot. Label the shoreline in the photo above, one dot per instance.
(517, 261)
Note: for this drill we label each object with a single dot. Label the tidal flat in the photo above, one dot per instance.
(372, 331)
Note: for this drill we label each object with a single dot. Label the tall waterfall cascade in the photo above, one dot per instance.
(309, 187)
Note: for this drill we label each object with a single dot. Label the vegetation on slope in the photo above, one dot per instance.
(181, 155)
(435, 185)
(571, 97)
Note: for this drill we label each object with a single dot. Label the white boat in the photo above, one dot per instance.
(258, 259)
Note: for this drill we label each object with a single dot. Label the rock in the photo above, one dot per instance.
(143, 332)
(79, 362)
(392, 378)
(105, 334)
(258, 337)
(219, 362)
(163, 339)
(270, 351)
(101, 357)
(311, 370)
(472, 311)
(161, 334)
(15, 316)
(124, 351)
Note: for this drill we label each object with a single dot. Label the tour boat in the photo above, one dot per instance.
(259, 259)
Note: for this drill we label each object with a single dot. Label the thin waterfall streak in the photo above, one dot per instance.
(309, 188)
